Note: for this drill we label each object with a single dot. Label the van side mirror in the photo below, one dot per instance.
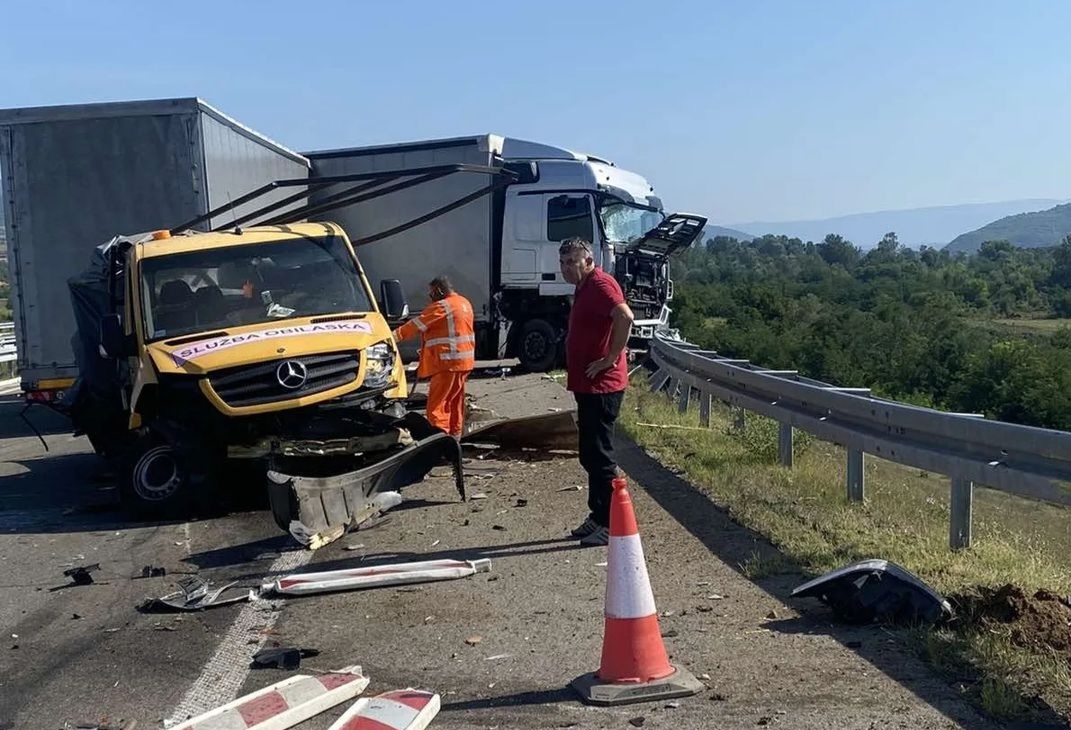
(392, 300)
(112, 338)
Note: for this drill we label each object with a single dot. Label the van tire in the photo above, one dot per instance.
(538, 347)
(156, 482)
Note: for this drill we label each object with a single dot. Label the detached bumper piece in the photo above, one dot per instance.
(877, 591)
(324, 507)
(546, 432)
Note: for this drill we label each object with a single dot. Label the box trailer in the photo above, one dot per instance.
(75, 176)
(501, 250)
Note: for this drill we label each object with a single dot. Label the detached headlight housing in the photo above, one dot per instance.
(378, 365)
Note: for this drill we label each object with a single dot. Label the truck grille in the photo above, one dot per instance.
(252, 385)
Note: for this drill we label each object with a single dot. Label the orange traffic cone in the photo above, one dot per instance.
(634, 666)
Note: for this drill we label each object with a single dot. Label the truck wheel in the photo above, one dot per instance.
(537, 347)
(155, 481)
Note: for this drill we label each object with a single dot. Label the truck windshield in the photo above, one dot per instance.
(193, 292)
(623, 222)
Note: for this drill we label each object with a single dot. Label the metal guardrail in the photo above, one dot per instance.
(1029, 462)
(8, 353)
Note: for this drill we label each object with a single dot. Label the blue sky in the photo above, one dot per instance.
(742, 110)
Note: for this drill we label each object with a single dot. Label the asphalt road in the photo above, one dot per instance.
(500, 648)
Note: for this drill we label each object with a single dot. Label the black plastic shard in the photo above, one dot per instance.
(877, 591)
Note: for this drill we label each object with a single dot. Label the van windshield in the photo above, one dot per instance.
(197, 291)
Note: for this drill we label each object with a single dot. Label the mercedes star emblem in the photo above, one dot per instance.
(291, 374)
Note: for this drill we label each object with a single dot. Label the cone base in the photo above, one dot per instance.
(594, 691)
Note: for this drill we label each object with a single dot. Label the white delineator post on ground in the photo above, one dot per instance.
(635, 666)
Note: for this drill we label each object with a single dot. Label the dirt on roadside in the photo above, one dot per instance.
(1041, 621)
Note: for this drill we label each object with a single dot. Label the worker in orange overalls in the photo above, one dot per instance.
(447, 353)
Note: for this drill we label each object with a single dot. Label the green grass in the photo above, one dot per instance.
(1026, 325)
(804, 512)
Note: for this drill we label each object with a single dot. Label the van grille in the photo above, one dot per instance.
(253, 385)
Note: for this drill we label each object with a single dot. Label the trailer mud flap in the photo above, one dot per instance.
(323, 503)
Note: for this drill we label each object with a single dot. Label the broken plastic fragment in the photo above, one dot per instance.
(877, 590)
(196, 593)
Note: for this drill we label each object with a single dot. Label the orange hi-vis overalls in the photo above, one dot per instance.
(447, 356)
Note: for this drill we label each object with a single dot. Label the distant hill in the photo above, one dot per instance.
(712, 231)
(914, 227)
(1027, 230)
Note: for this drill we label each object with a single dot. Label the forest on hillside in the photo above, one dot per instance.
(925, 326)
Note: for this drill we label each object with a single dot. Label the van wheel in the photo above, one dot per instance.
(537, 346)
(156, 482)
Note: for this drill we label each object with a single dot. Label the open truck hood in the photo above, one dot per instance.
(200, 354)
(676, 232)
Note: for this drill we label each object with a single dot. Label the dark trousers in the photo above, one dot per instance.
(596, 415)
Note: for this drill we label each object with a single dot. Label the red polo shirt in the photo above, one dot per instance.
(588, 338)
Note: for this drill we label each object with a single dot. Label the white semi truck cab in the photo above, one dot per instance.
(501, 249)
(574, 194)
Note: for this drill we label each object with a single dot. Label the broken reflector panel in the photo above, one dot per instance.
(877, 590)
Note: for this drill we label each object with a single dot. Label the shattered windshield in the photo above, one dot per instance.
(625, 222)
(213, 288)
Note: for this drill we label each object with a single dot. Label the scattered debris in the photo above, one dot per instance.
(436, 543)
(637, 721)
(473, 640)
(286, 703)
(771, 615)
(416, 708)
(496, 657)
(81, 575)
(765, 720)
(672, 705)
(281, 657)
(375, 576)
(497, 527)
(670, 634)
(75, 616)
(574, 488)
(705, 677)
(522, 502)
(355, 546)
(877, 591)
(195, 594)
(315, 540)
(704, 609)
(718, 697)
(554, 431)
(151, 571)
(478, 495)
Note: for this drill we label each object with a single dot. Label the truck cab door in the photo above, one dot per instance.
(535, 224)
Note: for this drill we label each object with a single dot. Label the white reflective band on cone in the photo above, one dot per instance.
(628, 589)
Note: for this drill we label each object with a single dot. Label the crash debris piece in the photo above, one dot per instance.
(283, 704)
(402, 709)
(314, 540)
(195, 594)
(376, 576)
(282, 657)
(80, 575)
(877, 591)
(545, 432)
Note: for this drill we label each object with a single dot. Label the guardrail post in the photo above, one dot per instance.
(685, 397)
(706, 403)
(784, 444)
(673, 384)
(962, 503)
(856, 479)
(739, 423)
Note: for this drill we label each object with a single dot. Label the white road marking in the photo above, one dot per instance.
(224, 674)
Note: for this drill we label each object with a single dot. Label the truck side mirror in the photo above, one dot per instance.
(112, 338)
(392, 299)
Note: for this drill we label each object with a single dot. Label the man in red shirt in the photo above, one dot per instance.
(599, 324)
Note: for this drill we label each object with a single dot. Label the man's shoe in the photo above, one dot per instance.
(601, 536)
(587, 527)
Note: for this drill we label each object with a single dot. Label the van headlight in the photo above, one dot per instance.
(378, 365)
